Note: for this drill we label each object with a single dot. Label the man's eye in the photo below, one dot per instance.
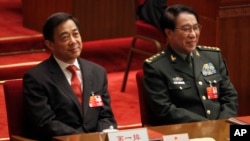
(64, 38)
(186, 28)
(196, 27)
(76, 34)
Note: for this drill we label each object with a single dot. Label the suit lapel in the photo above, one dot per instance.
(87, 85)
(60, 80)
(199, 61)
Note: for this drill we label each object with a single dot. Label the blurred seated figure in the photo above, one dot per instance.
(151, 11)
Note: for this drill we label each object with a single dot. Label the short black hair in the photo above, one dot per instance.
(169, 17)
(54, 21)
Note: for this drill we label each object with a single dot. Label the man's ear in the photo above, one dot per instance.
(49, 44)
(168, 33)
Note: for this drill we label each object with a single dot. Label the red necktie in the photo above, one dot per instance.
(75, 83)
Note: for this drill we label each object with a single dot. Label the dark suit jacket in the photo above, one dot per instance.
(52, 107)
(176, 95)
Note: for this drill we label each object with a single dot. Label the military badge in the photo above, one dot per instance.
(208, 69)
(178, 80)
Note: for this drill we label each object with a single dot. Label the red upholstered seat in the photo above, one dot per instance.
(13, 92)
(14, 105)
(145, 116)
(147, 33)
(139, 2)
(150, 31)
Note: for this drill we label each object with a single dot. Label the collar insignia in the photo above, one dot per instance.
(173, 58)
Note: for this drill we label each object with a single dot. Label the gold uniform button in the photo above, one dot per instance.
(200, 83)
(208, 112)
(180, 88)
(204, 97)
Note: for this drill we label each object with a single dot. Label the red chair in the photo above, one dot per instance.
(13, 92)
(147, 33)
(145, 116)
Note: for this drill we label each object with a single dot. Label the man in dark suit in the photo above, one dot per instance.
(187, 82)
(52, 107)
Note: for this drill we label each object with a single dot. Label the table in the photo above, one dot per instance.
(217, 129)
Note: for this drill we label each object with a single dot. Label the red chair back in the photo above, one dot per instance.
(139, 2)
(13, 91)
(145, 116)
(153, 38)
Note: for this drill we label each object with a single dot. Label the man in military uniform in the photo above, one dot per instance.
(187, 82)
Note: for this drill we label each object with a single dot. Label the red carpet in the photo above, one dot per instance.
(125, 104)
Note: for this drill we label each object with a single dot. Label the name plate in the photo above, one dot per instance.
(176, 137)
(139, 134)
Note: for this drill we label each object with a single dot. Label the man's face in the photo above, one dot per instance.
(67, 43)
(186, 35)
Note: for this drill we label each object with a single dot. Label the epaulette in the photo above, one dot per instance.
(209, 48)
(154, 57)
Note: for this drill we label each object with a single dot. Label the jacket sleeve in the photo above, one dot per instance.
(106, 117)
(228, 94)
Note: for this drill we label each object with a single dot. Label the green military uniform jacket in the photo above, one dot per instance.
(177, 94)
